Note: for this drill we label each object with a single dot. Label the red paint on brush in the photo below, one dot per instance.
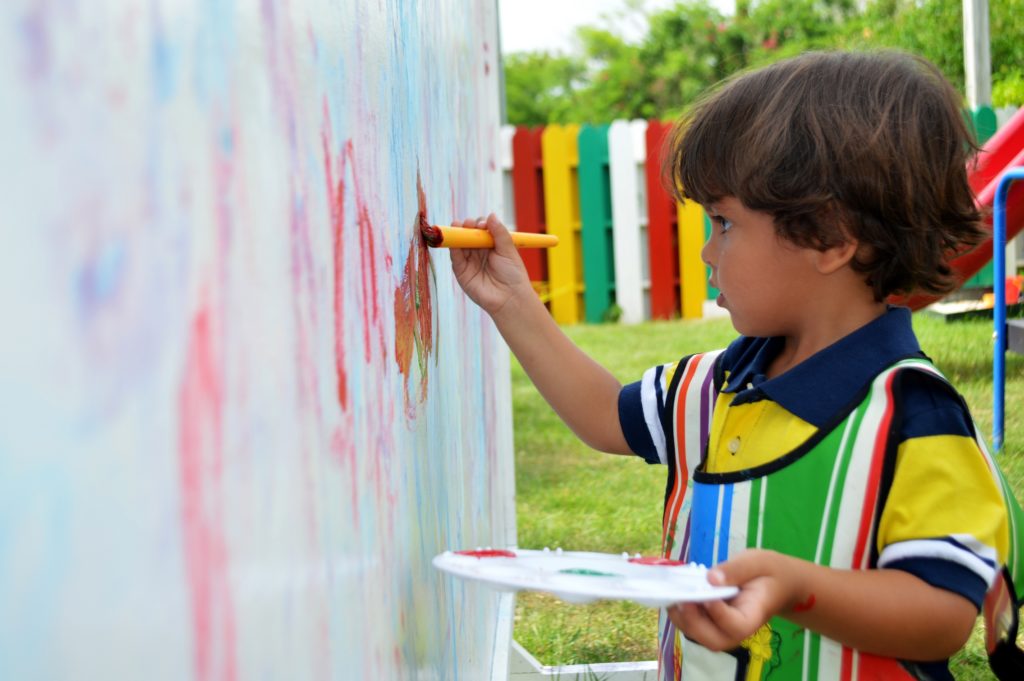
(431, 234)
(414, 309)
(488, 553)
(656, 560)
(200, 443)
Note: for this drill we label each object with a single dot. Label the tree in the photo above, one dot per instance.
(690, 46)
(1006, 24)
(541, 87)
(932, 29)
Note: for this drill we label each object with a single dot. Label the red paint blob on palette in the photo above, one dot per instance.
(656, 560)
(488, 553)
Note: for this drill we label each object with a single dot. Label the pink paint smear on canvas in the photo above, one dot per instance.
(200, 442)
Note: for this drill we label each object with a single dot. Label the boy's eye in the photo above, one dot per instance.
(723, 223)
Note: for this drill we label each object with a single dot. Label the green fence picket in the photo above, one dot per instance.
(596, 217)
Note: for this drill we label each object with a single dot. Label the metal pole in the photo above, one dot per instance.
(977, 54)
(999, 313)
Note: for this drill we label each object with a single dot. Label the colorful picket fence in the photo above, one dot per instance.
(628, 250)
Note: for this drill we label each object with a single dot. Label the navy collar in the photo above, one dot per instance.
(817, 388)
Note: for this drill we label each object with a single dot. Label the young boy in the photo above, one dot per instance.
(820, 462)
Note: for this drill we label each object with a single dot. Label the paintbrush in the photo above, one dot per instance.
(465, 237)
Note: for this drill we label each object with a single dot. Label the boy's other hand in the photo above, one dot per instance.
(766, 590)
(490, 277)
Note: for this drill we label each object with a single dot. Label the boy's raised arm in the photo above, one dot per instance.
(582, 392)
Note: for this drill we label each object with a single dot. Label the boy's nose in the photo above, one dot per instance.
(705, 253)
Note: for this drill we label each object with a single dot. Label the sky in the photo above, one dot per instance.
(548, 24)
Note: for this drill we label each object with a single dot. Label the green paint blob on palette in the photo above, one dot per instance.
(587, 573)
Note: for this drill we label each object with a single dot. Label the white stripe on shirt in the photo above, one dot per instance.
(976, 557)
(652, 409)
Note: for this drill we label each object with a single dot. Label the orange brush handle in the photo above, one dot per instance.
(463, 237)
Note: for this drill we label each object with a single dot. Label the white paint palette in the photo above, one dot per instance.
(582, 577)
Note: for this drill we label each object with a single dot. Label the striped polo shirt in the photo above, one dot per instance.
(944, 519)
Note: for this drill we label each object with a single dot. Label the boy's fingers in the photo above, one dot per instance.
(500, 233)
(728, 620)
(694, 620)
(737, 570)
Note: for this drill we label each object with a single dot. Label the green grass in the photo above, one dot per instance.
(571, 496)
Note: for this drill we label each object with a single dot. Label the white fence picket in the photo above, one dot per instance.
(623, 157)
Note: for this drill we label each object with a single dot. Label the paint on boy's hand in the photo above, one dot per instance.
(805, 606)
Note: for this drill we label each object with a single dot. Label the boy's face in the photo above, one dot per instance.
(764, 280)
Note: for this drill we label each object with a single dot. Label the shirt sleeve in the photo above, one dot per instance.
(641, 411)
(945, 520)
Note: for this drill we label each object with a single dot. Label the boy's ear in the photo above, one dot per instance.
(845, 247)
(834, 258)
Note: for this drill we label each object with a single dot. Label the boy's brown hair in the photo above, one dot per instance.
(869, 145)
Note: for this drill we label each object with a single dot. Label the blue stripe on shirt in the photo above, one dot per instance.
(634, 425)
(929, 411)
(944, 574)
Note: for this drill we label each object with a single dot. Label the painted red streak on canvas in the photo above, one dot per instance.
(369, 293)
(336, 197)
(200, 439)
(414, 309)
(368, 262)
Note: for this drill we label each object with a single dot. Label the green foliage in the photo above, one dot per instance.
(615, 84)
(540, 87)
(691, 46)
(1009, 91)
(613, 314)
(785, 27)
(686, 49)
(932, 29)
(1006, 19)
